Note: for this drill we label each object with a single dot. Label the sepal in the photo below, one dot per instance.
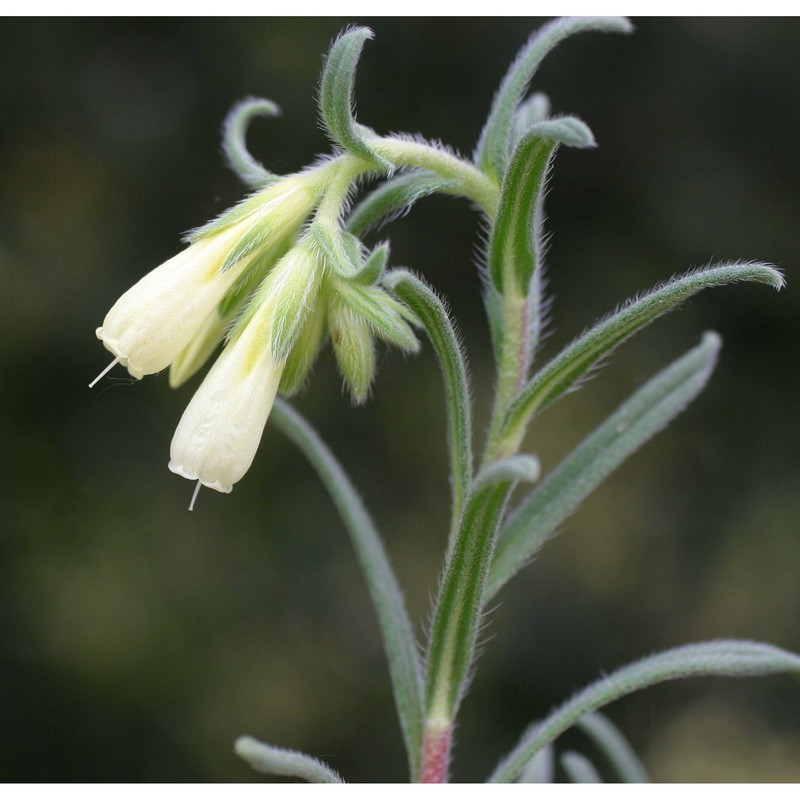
(304, 353)
(354, 346)
(385, 317)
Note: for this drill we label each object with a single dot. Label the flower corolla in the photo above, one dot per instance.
(152, 323)
(220, 430)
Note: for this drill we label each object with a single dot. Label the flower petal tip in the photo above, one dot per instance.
(218, 486)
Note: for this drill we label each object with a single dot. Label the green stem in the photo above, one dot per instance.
(339, 176)
(469, 181)
(512, 370)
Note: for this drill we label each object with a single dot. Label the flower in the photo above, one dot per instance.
(152, 323)
(220, 430)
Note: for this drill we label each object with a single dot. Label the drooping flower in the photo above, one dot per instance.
(220, 430)
(154, 321)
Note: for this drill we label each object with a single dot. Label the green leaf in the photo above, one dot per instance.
(492, 150)
(336, 97)
(614, 746)
(575, 361)
(431, 311)
(394, 198)
(234, 145)
(635, 422)
(287, 763)
(514, 469)
(579, 769)
(458, 608)
(515, 240)
(398, 634)
(532, 111)
(541, 768)
(730, 658)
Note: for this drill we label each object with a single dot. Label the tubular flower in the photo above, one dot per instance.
(154, 321)
(220, 430)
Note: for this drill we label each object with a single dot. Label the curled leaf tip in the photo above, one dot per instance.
(360, 31)
(570, 131)
(774, 276)
(610, 24)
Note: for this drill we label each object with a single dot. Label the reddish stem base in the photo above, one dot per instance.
(436, 756)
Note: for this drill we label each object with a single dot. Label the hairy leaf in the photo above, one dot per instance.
(433, 315)
(637, 420)
(234, 145)
(492, 151)
(398, 634)
(394, 198)
(287, 763)
(576, 360)
(336, 97)
(730, 658)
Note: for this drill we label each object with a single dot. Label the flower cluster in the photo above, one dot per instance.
(258, 279)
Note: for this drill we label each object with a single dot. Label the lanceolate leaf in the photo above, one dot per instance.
(234, 144)
(394, 198)
(514, 243)
(492, 151)
(575, 361)
(432, 313)
(336, 96)
(283, 762)
(638, 419)
(458, 607)
(398, 634)
(730, 658)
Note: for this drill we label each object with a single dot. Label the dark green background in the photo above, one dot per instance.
(138, 640)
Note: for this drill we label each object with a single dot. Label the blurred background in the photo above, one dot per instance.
(138, 640)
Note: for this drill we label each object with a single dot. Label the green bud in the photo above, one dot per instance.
(353, 345)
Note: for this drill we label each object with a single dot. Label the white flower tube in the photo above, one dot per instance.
(218, 435)
(220, 430)
(152, 323)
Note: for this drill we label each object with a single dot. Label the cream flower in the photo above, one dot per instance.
(220, 430)
(152, 323)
